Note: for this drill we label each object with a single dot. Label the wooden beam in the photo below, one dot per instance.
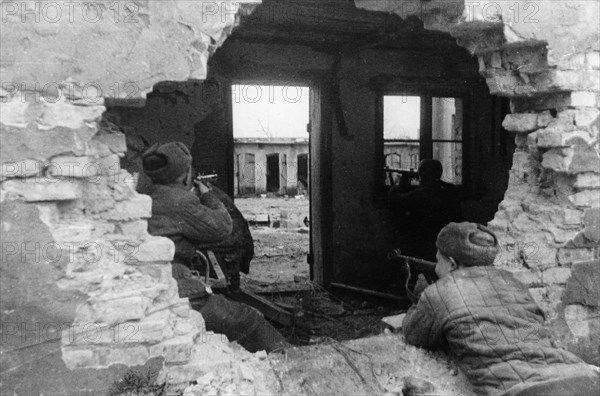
(270, 310)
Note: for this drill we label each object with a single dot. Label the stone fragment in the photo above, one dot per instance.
(139, 206)
(576, 159)
(568, 256)
(115, 141)
(584, 99)
(73, 167)
(175, 350)
(35, 190)
(77, 357)
(587, 118)
(153, 249)
(13, 113)
(582, 287)
(585, 198)
(578, 319)
(66, 115)
(137, 229)
(394, 323)
(527, 277)
(587, 180)
(593, 59)
(132, 354)
(554, 137)
(591, 220)
(520, 122)
(113, 309)
(572, 217)
(556, 275)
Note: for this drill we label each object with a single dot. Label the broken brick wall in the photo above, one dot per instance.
(86, 291)
(548, 222)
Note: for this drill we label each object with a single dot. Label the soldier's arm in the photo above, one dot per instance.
(420, 326)
(207, 221)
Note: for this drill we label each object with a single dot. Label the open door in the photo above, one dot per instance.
(320, 188)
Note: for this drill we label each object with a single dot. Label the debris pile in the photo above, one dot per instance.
(247, 374)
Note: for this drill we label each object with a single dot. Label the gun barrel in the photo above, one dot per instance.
(207, 177)
(417, 263)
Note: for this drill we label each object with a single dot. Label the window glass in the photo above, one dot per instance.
(401, 117)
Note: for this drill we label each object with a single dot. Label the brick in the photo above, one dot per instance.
(587, 180)
(581, 241)
(182, 309)
(549, 138)
(582, 287)
(572, 217)
(591, 220)
(520, 122)
(140, 206)
(78, 357)
(580, 320)
(20, 169)
(556, 275)
(113, 309)
(576, 159)
(587, 118)
(153, 328)
(153, 249)
(174, 350)
(43, 190)
(115, 141)
(42, 145)
(132, 354)
(584, 98)
(73, 167)
(585, 198)
(570, 256)
(66, 115)
(528, 277)
(135, 229)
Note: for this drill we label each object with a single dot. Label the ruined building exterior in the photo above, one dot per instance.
(86, 291)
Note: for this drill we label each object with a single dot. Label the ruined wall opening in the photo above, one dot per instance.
(548, 70)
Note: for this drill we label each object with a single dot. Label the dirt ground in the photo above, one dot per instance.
(279, 253)
(280, 272)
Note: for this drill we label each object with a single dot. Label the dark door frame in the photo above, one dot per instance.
(320, 170)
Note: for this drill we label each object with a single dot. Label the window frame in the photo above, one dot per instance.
(427, 91)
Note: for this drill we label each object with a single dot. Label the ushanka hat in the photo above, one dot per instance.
(469, 244)
(166, 162)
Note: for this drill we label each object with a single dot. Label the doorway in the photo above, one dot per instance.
(271, 153)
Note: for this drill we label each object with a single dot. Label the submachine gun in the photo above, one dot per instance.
(414, 264)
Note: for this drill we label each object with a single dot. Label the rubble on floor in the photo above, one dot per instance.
(383, 364)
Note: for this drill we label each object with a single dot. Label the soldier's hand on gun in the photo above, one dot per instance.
(202, 187)
(420, 286)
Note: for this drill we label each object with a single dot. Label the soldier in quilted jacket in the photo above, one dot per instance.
(190, 217)
(490, 323)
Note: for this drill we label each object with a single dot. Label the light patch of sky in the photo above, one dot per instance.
(270, 111)
(401, 117)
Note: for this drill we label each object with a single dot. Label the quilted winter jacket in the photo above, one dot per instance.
(494, 330)
(187, 220)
